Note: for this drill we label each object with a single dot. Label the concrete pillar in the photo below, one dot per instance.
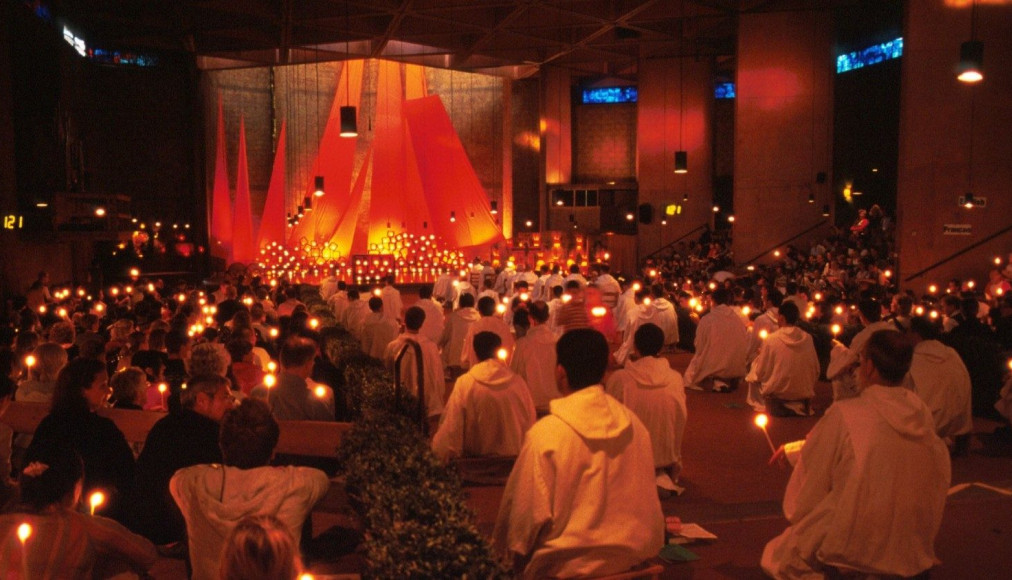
(939, 117)
(783, 127)
(675, 112)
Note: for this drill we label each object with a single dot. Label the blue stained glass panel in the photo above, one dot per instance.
(609, 95)
(872, 55)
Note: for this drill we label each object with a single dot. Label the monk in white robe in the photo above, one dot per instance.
(393, 306)
(434, 382)
(451, 343)
(488, 322)
(488, 411)
(655, 392)
(656, 310)
(581, 500)
(355, 314)
(869, 487)
(787, 367)
(626, 305)
(939, 377)
(843, 359)
(377, 330)
(338, 301)
(722, 344)
(434, 320)
(534, 358)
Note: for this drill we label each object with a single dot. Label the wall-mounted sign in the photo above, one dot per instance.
(957, 229)
(977, 201)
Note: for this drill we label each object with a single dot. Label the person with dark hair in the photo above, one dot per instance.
(433, 326)
(150, 509)
(489, 322)
(656, 394)
(434, 379)
(215, 498)
(842, 370)
(722, 347)
(489, 409)
(939, 377)
(287, 308)
(534, 357)
(451, 343)
(872, 472)
(296, 397)
(581, 499)
(656, 310)
(81, 389)
(782, 378)
(66, 542)
(378, 329)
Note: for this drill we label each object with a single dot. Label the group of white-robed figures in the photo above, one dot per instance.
(582, 500)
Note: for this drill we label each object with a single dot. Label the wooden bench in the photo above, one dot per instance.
(310, 438)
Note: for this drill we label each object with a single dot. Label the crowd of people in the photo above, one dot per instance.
(561, 367)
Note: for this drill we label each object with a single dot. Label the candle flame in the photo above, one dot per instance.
(744, 309)
(273, 332)
(763, 334)
(320, 391)
(314, 323)
(270, 381)
(761, 420)
(932, 289)
(162, 387)
(836, 329)
(30, 361)
(95, 500)
(24, 532)
(599, 311)
(272, 366)
(502, 354)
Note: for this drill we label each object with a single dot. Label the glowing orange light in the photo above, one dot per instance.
(761, 420)
(776, 253)
(501, 354)
(95, 500)
(273, 332)
(314, 323)
(500, 308)
(838, 310)
(42, 309)
(272, 366)
(270, 381)
(320, 391)
(30, 361)
(134, 272)
(599, 311)
(763, 334)
(932, 289)
(24, 532)
(636, 286)
(836, 329)
(746, 310)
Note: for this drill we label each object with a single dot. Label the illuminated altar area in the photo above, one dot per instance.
(402, 197)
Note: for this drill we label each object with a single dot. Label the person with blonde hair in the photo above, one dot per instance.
(50, 358)
(260, 548)
(209, 358)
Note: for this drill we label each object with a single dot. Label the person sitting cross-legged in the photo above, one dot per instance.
(581, 499)
(214, 498)
(782, 379)
(488, 411)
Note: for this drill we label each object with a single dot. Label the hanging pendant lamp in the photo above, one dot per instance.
(318, 186)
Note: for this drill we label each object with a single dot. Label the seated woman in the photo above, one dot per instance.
(63, 542)
(128, 386)
(260, 547)
(82, 388)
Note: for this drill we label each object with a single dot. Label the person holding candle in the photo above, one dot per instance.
(82, 388)
(294, 398)
(61, 541)
(50, 358)
(150, 510)
(782, 378)
(489, 409)
(869, 482)
(581, 499)
(489, 322)
(722, 344)
(843, 360)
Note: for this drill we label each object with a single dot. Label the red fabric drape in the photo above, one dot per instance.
(242, 218)
(272, 220)
(221, 206)
(447, 176)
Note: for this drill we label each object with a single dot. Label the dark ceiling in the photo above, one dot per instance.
(512, 38)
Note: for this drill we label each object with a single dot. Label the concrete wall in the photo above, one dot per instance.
(939, 118)
(665, 127)
(783, 126)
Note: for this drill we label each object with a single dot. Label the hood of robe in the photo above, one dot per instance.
(246, 491)
(593, 414)
(933, 352)
(791, 336)
(469, 314)
(649, 372)
(902, 409)
(492, 374)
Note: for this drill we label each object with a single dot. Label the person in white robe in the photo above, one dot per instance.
(338, 301)
(504, 281)
(377, 330)
(537, 291)
(451, 343)
(328, 286)
(870, 480)
(534, 357)
(393, 306)
(489, 409)
(524, 275)
(355, 314)
(787, 367)
(767, 321)
(939, 377)
(655, 392)
(656, 310)
(488, 322)
(442, 290)
(722, 344)
(581, 499)
(626, 305)
(554, 279)
(434, 320)
(608, 285)
(434, 381)
(842, 370)
(574, 274)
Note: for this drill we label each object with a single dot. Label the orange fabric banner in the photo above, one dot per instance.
(221, 205)
(242, 217)
(272, 219)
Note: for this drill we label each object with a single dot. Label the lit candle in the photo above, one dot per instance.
(272, 366)
(502, 354)
(761, 420)
(42, 309)
(599, 311)
(30, 361)
(134, 272)
(24, 532)
(763, 334)
(95, 500)
(314, 323)
(162, 387)
(744, 310)
(273, 332)
(835, 329)
(932, 289)
(270, 380)
(500, 308)
(320, 391)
